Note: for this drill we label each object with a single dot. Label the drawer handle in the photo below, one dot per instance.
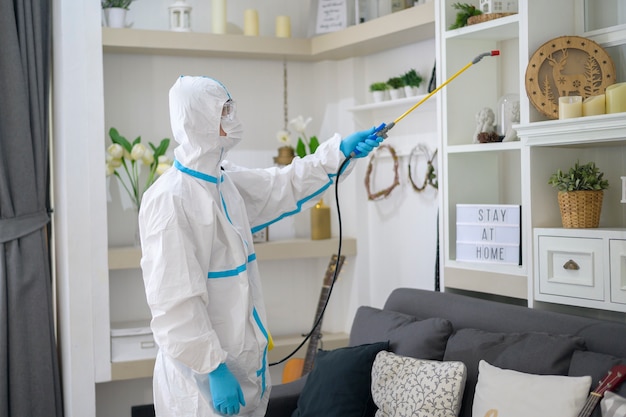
(147, 345)
(571, 265)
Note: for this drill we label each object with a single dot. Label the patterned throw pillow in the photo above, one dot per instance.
(403, 386)
(613, 405)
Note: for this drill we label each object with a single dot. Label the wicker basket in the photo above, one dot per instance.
(580, 209)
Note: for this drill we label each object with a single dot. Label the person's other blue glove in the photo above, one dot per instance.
(361, 143)
(225, 390)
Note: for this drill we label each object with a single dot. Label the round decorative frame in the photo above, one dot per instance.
(567, 66)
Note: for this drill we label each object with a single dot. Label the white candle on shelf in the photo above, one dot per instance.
(250, 22)
(218, 10)
(283, 27)
(570, 107)
(616, 98)
(594, 105)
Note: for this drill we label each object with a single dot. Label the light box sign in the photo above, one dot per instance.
(488, 233)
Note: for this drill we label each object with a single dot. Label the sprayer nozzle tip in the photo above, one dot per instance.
(495, 52)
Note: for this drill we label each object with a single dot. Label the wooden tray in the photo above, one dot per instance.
(485, 17)
(567, 66)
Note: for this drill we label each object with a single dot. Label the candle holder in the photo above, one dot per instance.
(180, 16)
(570, 107)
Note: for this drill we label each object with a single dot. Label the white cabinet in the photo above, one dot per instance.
(518, 172)
(581, 267)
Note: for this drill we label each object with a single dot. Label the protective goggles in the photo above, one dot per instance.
(228, 111)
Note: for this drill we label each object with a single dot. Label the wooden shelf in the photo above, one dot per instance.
(510, 284)
(129, 257)
(391, 31)
(283, 346)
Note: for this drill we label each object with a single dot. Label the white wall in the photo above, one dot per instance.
(396, 237)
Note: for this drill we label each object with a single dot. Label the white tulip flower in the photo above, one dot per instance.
(137, 152)
(299, 124)
(116, 151)
(148, 157)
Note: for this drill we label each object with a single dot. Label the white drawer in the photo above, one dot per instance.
(617, 255)
(571, 267)
(132, 341)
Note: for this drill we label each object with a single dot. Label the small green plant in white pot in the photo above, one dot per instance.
(412, 81)
(379, 91)
(580, 193)
(396, 87)
(115, 12)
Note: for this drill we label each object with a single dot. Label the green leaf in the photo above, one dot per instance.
(137, 140)
(300, 148)
(119, 139)
(313, 144)
(161, 149)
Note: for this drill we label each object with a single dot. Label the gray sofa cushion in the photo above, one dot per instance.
(597, 365)
(534, 353)
(408, 336)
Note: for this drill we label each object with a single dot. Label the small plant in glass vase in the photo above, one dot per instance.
(580, 193)
(396, 87)
(379, 91)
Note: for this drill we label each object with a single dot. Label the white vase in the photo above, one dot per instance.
(410, 91)
(396, 93)
(115, 17)
(378, 96)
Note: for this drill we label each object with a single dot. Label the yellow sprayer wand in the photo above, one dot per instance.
(384, 128)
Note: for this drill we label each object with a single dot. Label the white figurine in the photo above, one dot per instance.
(485, 123)
(510, 134)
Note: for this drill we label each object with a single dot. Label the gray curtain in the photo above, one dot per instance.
(29, 372)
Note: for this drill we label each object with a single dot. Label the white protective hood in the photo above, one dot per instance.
(195, 115)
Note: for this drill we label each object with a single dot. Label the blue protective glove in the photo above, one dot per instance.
(225, 390)
(361, 143)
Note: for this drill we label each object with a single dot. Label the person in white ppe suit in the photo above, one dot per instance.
(199, 266)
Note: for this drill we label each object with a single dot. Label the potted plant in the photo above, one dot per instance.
(379, 90)
(115, 12)
(396, 87)
(580, 192)
(412, 81)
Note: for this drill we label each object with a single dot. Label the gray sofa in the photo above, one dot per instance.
(452, 327)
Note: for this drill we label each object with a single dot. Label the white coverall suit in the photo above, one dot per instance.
(199, 266)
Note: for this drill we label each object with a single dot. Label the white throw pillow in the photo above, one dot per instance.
(509, 393)
(403, 386)
(613, 405)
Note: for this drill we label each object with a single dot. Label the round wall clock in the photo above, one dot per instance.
(567, 66)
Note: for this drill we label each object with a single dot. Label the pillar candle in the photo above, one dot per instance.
(570, 106)
(219, 16)
(250, 22)
(594, 105)
(283, 27)
(616, 98)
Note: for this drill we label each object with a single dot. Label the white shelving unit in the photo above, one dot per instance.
(397, 29)
(518, 172)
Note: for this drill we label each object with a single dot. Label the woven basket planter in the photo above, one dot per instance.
(580, 209)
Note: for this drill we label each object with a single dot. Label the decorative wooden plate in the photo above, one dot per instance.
(567, 66)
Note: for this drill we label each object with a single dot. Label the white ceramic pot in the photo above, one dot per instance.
(379, 96)
(396, 93)
(410, 91)
(115, 17)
